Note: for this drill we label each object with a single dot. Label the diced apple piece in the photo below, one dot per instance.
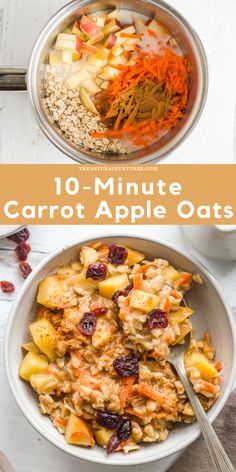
(143, 301)
(31, 347)
(43, 383)
(55, 58)
(109, 73)
(79, 281)
(140, 26)
(128, 30)
(99, 20)
(181, 314)
(103, 436)
(185, 328)
(172, 273)
(159, 29)
(117, 50)
(110, 42)
(76, 28)
(33, 364)
(118, 61)
(98, 81)
(75, 80)
(134, 257)
(44, 336)
(90, 86)
(200, 361)
(103, 334)
(114, 14)
(127, 55)
(112, 27)
(87, 102)
(66, 42)
(89, 48)
(78, 432)
(67, 57)
(52, 294)
(129, 47)
(90, 28)
(108, 287)
(99, 37)
(67, 31)
(102, 54)
(79, 45)
(88, 255)
(104, 85)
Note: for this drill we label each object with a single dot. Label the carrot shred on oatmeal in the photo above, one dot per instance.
(150, 392)
(126, 390)
(138, 281)
(132, 412)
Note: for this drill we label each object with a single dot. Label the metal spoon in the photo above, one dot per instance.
(219, 457)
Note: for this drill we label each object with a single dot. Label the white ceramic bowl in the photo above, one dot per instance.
(212, 314)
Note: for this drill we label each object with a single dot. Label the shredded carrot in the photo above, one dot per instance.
(172, 73)
(123, 313)
(126, 390)
(155, 354)
(209, 387)
(152, 33)
(167, 305)
(149, 392)
(131, 36)
(218, 366)
(184, 280)
(175, 294)
(130, 411)
(143, 269)
(60, 421)
(138, 281)
(77, 435)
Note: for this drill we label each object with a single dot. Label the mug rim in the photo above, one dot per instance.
(128, 460)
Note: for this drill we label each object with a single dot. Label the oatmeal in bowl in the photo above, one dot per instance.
(98, 353)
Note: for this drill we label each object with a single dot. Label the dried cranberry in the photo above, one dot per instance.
(25, 269)
(7, 287)
(100, 311)
(128, 289)
(123, 293)
(126, 366)
(87, 324)
(113, 444)
(124, 430)
(106, 419)
(22, 235)
(116, 295)
(97, 271)
(117, 254)
(22, 250)
(157, 319)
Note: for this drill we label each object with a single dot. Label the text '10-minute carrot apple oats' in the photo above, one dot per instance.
(116, 82)
(98, 357)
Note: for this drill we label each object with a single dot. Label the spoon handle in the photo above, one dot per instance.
(219, 457)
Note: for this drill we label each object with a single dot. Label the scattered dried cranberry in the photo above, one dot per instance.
(124, 430)
(97, 271)
(100, 311)
(87, 324)
(123, 293)
(116, 295)
(126, 366)
(157, 319)
(22, 235)
(117, 254)
(108, 420)
(25, 269)
(7, 287)
(128, 289)
(22, 250)
(113, 444)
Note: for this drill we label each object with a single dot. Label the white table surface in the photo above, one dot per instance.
(213, 141)
(24, 447)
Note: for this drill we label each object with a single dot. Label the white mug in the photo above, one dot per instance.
(216, 242)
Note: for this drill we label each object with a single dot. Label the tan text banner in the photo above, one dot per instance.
(161, 194)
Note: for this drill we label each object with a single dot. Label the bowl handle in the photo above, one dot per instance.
(12, 79)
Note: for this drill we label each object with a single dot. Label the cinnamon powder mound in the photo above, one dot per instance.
(146, 98)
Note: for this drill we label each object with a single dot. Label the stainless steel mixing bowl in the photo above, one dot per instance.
(181, 31)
